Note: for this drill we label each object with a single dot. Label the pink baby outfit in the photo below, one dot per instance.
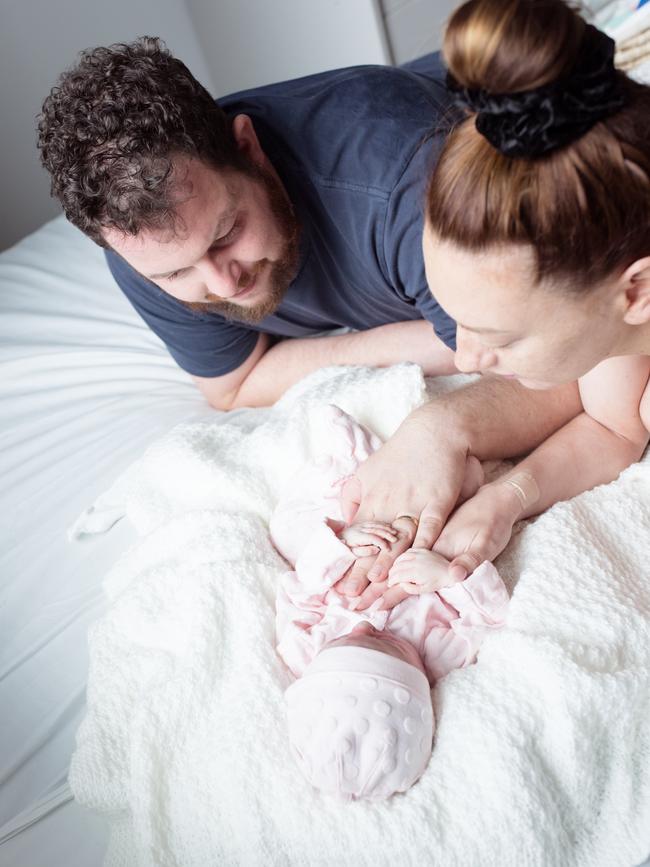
(446, 627)
(361, 721)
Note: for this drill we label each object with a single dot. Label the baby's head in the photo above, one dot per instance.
(360, 717)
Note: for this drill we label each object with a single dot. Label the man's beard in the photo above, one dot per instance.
(281, 271)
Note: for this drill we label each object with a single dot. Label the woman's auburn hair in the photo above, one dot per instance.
(584, 208)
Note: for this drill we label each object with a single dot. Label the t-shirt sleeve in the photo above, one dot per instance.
(203, 344)
(403, 241)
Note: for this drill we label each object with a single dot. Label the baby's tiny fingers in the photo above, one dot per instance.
(406, 557)
(410, 588)
(380, 525)
(371, 539)
(364, 550)
(381, 533)
(396, 576)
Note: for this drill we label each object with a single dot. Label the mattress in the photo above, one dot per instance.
(84, 387)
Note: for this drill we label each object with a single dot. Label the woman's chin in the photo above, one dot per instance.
(535, 384)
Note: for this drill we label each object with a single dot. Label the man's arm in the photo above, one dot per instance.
(425, 459)
(270, 370)
(221, 391)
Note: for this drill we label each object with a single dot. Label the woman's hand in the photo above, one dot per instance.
(481, 528)
(478, 530)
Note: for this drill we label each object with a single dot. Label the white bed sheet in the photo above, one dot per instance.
(84, 387)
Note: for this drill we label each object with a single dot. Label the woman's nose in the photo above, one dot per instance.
(471, 356)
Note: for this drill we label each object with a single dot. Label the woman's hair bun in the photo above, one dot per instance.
(509, 46)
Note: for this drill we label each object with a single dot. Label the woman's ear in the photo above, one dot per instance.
(636, 282)
(247, 140)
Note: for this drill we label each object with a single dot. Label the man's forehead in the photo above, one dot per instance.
(134, 244)
(205, 202)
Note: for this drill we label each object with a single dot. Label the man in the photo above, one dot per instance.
(282, 212)
(285, 212)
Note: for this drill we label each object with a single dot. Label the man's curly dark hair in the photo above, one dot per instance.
(109, 130)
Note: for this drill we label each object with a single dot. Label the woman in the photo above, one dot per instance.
(537, 242)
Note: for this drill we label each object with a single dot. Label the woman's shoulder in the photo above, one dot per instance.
(644, 405)
(617, 394)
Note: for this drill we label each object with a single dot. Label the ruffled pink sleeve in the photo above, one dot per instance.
(448, 627)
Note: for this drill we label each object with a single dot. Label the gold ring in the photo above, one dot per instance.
(411, 518)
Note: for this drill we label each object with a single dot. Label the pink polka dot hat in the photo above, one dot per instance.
(360, 723)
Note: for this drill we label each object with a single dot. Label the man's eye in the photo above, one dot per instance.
(225, 239)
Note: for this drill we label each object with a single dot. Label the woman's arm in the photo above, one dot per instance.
(590, 450)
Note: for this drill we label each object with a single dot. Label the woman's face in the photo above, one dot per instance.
(510, 327)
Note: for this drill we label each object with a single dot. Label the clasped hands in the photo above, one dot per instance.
(448, 521)
(413, 570)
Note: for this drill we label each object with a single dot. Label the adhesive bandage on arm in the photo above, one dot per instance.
(525, 488)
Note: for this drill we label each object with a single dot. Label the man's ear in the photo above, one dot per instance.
(247, 140)
(636, 283)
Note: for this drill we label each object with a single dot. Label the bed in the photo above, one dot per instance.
(91, 411)
(85, 386)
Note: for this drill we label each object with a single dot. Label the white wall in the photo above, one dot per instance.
(38, 40)
(251, 42)
(228, 45)
(415, 27)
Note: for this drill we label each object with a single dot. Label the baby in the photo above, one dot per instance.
(360, 715)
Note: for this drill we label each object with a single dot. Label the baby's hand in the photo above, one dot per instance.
(420, 571)
(369, 537)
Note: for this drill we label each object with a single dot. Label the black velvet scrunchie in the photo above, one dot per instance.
(533, 122)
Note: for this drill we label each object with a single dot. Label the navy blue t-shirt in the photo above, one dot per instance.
(354, 149)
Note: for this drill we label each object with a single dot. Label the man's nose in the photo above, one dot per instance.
(221, 277)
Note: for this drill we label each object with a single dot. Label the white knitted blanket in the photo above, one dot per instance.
(542, 750)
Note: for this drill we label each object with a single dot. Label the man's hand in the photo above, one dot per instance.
(419, 472)
(441, 473)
